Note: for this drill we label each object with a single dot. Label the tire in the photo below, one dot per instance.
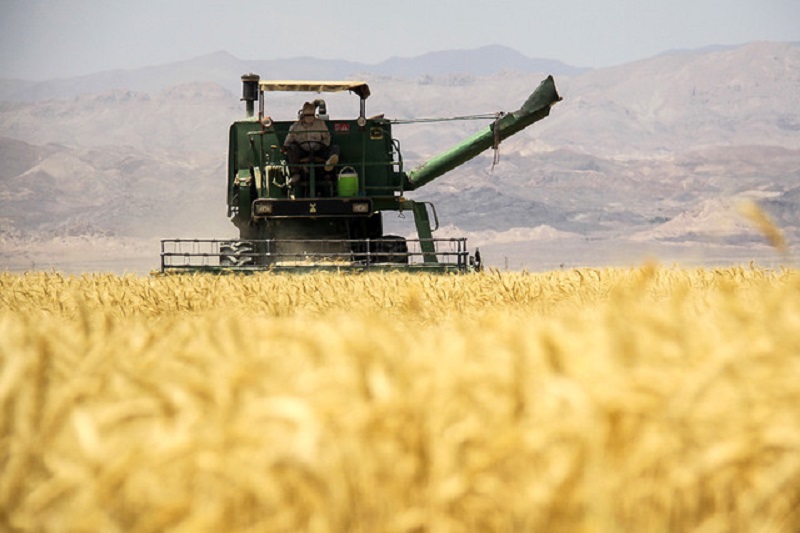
(391, 249)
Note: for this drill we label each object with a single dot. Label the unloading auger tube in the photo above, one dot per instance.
(323, 213)
(535, 108)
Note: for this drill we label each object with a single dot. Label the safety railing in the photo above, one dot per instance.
(316, 254)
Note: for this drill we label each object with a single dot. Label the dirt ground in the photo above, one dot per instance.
(75, 255)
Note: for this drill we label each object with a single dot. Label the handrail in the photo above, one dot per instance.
(265, 254)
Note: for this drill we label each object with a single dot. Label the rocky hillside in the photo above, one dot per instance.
(660, 151)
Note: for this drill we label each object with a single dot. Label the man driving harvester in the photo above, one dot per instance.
(308, 140)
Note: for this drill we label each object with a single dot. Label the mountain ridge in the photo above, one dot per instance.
(224, 68)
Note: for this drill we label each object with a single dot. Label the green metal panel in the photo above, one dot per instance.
(369, 150)
(240, 156)
(423, 224)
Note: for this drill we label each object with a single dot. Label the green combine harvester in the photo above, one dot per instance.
(319, 213)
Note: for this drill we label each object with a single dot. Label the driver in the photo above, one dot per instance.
(309, 137)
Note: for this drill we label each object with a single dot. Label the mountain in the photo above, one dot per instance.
(742, 95)
(224, 69)
(480, 62)
(652, 157)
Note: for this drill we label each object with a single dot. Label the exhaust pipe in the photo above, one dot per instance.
(250, 92)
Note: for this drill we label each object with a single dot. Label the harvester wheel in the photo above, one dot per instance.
(391, 249)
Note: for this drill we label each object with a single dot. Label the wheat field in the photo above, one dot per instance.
(590, 400)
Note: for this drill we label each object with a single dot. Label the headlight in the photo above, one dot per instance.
(263, 208)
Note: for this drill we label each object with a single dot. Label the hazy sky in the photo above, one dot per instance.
(43, 39)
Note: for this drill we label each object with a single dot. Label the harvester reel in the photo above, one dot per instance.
(235, 253)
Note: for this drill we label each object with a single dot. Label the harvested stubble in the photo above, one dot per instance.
(645, 399)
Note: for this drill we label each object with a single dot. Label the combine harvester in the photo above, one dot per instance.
(321, 216)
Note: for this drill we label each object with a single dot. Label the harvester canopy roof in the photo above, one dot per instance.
(359, 87)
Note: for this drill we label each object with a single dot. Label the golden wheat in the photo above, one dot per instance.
(642, 399)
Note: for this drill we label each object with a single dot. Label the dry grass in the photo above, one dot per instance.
(643, 399)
